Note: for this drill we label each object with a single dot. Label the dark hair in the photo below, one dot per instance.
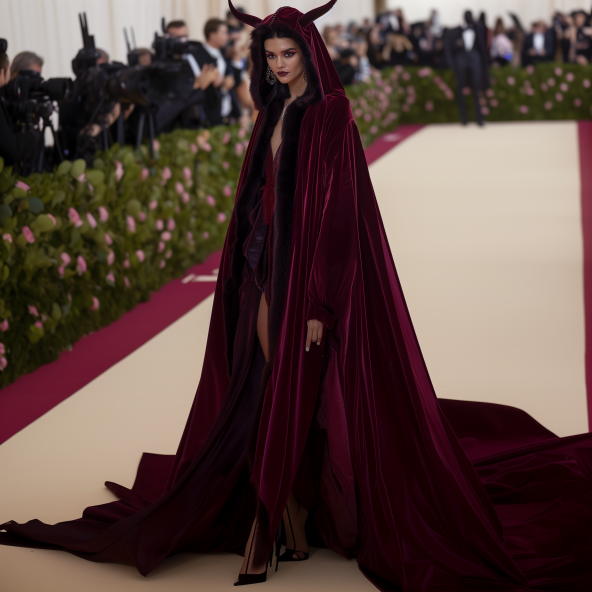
(4, 61)
(175, 25)
(212, 25)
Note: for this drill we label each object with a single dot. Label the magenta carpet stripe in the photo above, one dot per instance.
(585, 142)
(34, 394)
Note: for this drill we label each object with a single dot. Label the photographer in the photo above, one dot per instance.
(220, 101)
(14, 147)
(26, 60)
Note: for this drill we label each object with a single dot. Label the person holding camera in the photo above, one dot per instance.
(220, 101)
(14, 147)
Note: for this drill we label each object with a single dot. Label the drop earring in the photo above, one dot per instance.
(270, 76)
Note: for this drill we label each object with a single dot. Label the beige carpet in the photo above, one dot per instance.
(484, 227)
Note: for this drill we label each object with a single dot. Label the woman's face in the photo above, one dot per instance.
(284, 58)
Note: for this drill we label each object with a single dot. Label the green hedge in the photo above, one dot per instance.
(547, 91)
(80, 247)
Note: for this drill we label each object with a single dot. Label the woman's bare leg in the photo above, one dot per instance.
(248, 566)
(295, 516)
(262, 327)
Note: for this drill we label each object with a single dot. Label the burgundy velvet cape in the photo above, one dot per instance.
(426, 494)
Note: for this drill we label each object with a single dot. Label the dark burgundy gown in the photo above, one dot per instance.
(426, 494)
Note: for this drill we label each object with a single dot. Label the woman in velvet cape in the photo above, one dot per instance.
(426, 494)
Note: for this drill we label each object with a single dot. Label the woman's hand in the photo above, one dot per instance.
(315, 332)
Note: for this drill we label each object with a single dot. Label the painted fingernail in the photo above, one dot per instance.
(318, 343)
(307, 349)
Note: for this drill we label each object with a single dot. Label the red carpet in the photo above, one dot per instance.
(585, 140)
(34, 394)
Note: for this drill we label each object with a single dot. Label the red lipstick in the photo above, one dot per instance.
(280, 73)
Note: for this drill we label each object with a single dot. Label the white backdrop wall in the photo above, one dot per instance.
(50, 27)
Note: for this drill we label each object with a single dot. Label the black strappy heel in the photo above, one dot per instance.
(247, 578)
(292, 554)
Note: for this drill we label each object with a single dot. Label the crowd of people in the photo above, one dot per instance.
(220, 65)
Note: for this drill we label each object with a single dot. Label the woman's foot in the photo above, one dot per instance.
(295, 516)
(248, 567)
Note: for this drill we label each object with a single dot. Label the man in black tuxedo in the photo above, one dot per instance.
(539, 45)
(467, 56)
(220, 103)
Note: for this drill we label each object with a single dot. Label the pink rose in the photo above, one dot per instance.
(131, 224)
(511, 80)
(570, 77)
(4, 326)
(28, 234)
(39, 324)
(95, 304)
(118, 170)
(424, 72)
(168, 254)
(103, 214)
(80, 265)
(358, 112)
(111, 258)
(239, 148)
(81, 178)
(558, 71)
(74, 217)
(33, 310)
(429, 106)
(142, 216)
(206, 235)
(225, 165)
(367, 117)
(159, 225)
(551, 82)
(203, 144)
(91, 189)
(153, 204)
(3, 362)
(140, 255)
(177, 209)
(466, 91)
(110, 277)
(189, 236)
(221, 217)
(227, 191)
(211, 201)
(179, 188)
(22, 186)
(126, 263)
(558, 97)
(530, 91)
(156, 145)
(577, 103)
(406, 76)
(162, 264)
(52, 219)
(489, 92)
(2, 349)
(126, 281)
(373, 129)
(91, 220)
(166, 236)
(187, 174)
(108, 239)
(166, 173)
(65, 258)
(523, 109)
(544, 87)
(61, 270)
(145, 173)
(530, 70)
(7, 237)
(185, 197)
(193, 148)
(548, 105)
(494, 102)
(242, 132)
(161, 247)
(564, 87)
(586, 83)
(226, 138)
